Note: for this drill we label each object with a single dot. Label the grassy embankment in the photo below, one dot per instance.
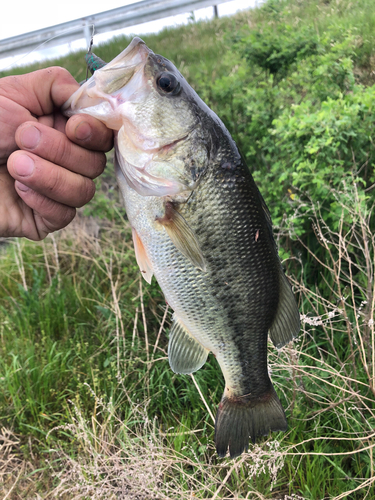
(88, 405)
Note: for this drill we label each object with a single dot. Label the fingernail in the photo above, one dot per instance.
(23, 165)
(30, 137)
(83, 131)
(21, 186)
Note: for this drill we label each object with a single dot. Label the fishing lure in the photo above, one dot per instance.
(93, 62)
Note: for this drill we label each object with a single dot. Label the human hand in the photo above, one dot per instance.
(47, 162)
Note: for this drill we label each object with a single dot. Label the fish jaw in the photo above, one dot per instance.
(144, 173)
(103, 95)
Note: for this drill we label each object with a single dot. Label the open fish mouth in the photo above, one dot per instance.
(112, 85)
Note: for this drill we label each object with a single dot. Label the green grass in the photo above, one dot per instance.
(84, 374)
(89, 407)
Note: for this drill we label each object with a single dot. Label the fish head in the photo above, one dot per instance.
(160, 145)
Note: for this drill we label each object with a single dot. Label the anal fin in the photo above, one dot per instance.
(142, 260)
(186, 355)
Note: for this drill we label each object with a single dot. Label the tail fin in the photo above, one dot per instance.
(239, 418)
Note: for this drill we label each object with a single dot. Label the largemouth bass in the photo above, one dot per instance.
(202, 228)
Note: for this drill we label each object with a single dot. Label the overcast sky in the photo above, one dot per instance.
(22, 17)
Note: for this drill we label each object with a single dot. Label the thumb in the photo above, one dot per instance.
(41, 91)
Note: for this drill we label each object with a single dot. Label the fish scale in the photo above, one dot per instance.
(201, 227)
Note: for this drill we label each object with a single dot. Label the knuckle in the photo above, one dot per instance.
(56, 181)
(99, 163)
(66, 215)
(58, 72)
(56, 216)
(69, 188)
(61, 151)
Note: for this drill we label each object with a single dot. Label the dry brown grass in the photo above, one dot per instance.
(19, 476)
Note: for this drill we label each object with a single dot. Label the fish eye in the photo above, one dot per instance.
(168, 83)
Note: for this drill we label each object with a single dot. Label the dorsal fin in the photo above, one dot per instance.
(186, 355)
(286, 325)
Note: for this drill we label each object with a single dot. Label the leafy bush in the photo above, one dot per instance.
(318, 148)
(299, 116)
(276, 49)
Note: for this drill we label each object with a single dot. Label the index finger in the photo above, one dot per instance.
(55, 147)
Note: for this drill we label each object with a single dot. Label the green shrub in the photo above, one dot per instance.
(297, 113)
(318, 147)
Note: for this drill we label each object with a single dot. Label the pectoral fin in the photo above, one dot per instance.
(185, 354)
(286, 324)
(182, 236)
(142, 260)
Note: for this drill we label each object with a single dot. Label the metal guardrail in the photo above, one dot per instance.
(110, 20)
